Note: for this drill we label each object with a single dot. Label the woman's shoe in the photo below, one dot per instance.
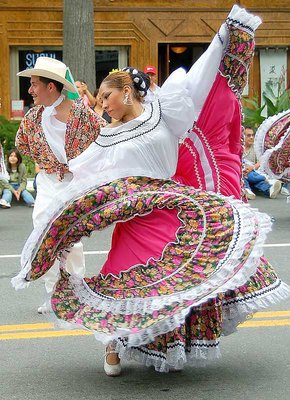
(112, 369)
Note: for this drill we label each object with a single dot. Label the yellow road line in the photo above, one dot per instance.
(45, 330)
(272, 314)
(274, 322)
(78, 332)
(42, 335)
(46, 326)
(26, 327)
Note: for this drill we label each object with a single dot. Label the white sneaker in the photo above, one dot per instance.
(275, 189)
(4, 204)
(44, 309)
(249, 194)
(285, 191)
(111, 369)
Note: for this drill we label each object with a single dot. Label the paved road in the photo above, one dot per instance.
(38, 362)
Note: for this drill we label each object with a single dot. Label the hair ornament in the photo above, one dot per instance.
(137, 79)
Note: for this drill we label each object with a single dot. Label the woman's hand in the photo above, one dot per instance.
(84, 87)
(17, 194)
(248, 168)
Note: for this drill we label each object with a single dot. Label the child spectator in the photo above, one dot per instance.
(17, 181)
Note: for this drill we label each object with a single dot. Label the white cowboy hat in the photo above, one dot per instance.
(51, 68)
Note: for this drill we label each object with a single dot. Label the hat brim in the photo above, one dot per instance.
(47, 74)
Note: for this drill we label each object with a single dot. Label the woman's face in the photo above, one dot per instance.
(112, 101)
(13, 159)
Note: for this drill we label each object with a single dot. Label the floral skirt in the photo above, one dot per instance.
(173, 308)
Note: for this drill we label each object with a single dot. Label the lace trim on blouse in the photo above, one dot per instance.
(142, 128)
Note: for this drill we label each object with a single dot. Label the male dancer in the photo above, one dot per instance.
(52, 133)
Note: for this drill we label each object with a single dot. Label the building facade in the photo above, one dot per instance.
(164, 33)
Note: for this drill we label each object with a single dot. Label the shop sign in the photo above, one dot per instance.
(17, 109)
(30, 58)
(27, 58)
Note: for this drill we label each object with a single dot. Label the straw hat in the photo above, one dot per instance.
(50, 68)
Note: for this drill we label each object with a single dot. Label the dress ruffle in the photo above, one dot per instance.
(217, 248)
(197, 342)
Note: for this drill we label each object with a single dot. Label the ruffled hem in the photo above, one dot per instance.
(238, 310)
(201, 353)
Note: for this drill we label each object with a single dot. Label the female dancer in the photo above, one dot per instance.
(272, 146)
(185, 265)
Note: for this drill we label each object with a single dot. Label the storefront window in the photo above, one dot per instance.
(106, 60)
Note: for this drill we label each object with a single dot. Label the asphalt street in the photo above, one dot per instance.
(40, 362)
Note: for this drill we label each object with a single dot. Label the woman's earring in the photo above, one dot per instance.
(127, 101)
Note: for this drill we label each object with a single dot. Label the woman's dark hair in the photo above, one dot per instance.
(19, 159)
(132, 79)
(46, 81)
(146, 79)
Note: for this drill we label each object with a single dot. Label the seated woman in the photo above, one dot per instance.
(17, 182)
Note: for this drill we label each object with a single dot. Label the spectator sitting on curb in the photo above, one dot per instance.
(254, 181)
(17, 181)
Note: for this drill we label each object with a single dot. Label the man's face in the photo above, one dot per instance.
(39, 91)
(249, 137)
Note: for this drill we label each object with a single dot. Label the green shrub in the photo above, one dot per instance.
(8, 131)
(274, 105)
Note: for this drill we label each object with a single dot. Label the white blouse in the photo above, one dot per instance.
(148, 145)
